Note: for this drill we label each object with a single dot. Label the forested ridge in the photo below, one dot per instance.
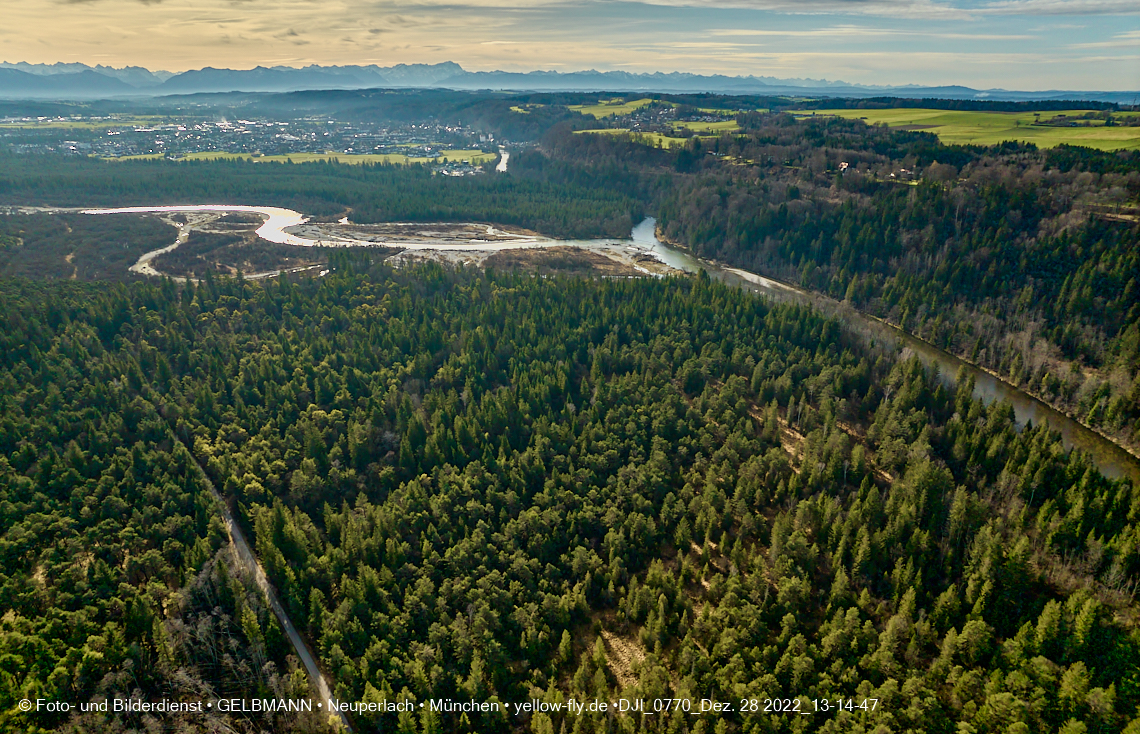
(1022, 260)
(497, 487)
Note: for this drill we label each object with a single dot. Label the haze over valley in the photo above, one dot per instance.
(79, 81)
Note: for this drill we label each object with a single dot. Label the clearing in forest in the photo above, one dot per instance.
(721, 126)
(656, 140)
(610, 107)
(1045, 129)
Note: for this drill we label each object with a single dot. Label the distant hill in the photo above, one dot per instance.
(259, 79)
(78, 81)
(16, 84)
(136, 76)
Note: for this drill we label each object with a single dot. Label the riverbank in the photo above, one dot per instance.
(839, 307)
(464, 243)
(644, 251)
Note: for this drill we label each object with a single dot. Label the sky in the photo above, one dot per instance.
(1011, 44)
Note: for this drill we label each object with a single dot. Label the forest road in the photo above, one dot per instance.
(249, 563)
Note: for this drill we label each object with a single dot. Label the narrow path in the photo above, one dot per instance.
(249, 563)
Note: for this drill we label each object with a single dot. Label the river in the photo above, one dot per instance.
(1112, 460)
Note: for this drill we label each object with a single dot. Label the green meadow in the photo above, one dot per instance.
(85, 124)
(656, 140)
(210, 156)
(610, 107)
(721, 126)
(723, 111)
(447, 156)
(145, 157)
(990, 128)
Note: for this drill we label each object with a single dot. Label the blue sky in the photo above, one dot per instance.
(1013, 44)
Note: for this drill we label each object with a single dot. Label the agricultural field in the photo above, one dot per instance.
(722, 126)
(93, 124)
(730, 111)
(654, 139)
(203, 156)
(143, 157)
(989, 128)
(447, 156)
(658, 139)
(610, 107)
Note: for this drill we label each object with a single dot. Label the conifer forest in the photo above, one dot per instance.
(709, 510)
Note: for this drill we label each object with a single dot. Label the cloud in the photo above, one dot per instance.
(900, 9)
(918, 9)
(92, 2)
(1130, 39)
(291, 36)
(1062, 7)
(705, 36)
(854, 32)
(943, 9)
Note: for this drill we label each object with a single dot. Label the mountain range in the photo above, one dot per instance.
(79, 81)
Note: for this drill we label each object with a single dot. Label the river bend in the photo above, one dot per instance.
(1112, 460)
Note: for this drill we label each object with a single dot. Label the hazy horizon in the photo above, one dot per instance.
(1014, 44)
